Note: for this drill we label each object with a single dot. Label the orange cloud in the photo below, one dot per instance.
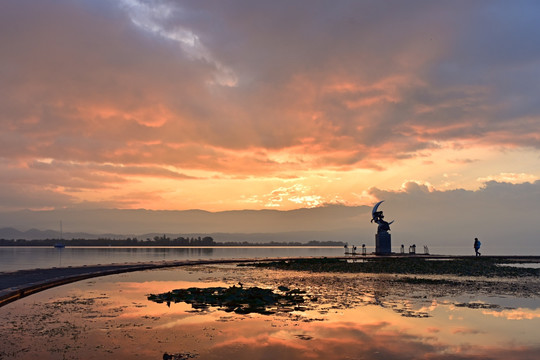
(125, 90)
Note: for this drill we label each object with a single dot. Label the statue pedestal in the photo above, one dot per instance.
(383, 244)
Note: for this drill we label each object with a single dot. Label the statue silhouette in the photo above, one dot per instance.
(378, 218)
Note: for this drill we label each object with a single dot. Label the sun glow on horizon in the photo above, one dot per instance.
(171, 188)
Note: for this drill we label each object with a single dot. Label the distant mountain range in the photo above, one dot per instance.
(299, 236)
(330, 223)
(422, 218)
(10, 233)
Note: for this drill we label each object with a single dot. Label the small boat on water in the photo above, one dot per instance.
(60, 245)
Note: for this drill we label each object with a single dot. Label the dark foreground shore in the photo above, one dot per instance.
(397, 307)
(15, 285)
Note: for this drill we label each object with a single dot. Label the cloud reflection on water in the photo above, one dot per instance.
(110, 317)
(350, 340)
(515, 314)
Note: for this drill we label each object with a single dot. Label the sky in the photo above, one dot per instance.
(230, 105)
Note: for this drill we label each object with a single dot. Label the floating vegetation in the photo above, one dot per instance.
(237, 299)
(415, 280)
(477, 305)
(179, 356)
(304, 337)
(477, 266)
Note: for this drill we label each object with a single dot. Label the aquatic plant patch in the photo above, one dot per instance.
(237, 299)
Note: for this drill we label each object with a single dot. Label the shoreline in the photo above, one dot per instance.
(22, 283)
(18, 284)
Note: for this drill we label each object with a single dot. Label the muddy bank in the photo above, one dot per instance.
(447, 277)
(460, 266)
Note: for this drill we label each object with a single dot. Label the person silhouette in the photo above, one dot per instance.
(477, 244)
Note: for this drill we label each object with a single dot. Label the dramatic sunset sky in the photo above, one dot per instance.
(229, 105)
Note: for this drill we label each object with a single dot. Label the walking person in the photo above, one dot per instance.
(477, 244)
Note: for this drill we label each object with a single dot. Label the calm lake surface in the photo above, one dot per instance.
(15, 258)
(345, 316)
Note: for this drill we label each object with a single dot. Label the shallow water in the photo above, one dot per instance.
(351, 316)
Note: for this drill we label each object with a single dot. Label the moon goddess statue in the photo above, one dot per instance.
(383, 241)
(378, 218)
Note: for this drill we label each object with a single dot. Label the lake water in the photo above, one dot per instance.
(15, 258)
(345, 316)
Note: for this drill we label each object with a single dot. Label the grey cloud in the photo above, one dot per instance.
(72, 70)
(368, 49)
